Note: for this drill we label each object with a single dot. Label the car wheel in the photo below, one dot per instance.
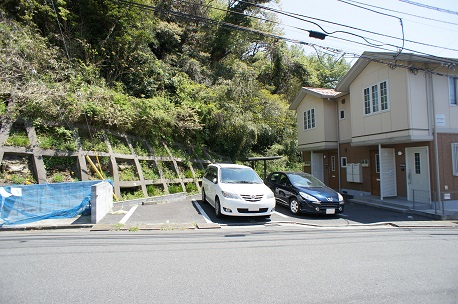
(294, 206)
(218, 208)
(204, 199)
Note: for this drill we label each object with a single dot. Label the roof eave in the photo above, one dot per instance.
(304, 91)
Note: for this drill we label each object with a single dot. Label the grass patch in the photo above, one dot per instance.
(155, 190)
(149, 170)
(160, 151)
(118, 226)
(58, 138)
(127, 172)
(57, 178)
(175, 189)
(199, 173)
(18, 179)
(140, 148)
(131, 194)
(119, 145)
(191, 188)
(168, 170)
(96, 143)
(18, 139)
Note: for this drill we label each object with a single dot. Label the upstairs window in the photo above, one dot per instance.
(309, 119)
(453, 90)
(384, 96)
(376, 98)
(367, 101)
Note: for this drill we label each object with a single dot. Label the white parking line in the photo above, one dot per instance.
(126, 217)
(281, 214)
(202, 212)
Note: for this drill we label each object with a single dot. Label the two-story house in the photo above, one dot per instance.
(390, 128)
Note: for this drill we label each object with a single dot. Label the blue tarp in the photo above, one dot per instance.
(23, 204)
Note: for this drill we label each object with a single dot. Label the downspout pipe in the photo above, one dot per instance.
(429, 92)
(338, 146)
(381, 173)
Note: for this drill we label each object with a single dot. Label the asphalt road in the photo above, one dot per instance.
(261, 264)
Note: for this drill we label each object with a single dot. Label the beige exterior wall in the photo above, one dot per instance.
(345, 124)
(407, 118)
(324, 135)
(442, 104)
(329, 123)
(418, 104)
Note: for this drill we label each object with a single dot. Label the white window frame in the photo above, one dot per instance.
(455, 159)
(367, 101)
(453, 90)
(384, 100)
(375, 98)
(309, 119)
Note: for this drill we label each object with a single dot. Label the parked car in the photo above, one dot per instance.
(302, 192)
(236, 190)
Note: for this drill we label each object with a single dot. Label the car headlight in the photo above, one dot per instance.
(309, 198)
(270, 195)
(341, 199)
(230, 195)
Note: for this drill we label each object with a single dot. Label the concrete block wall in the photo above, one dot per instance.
(101, 201)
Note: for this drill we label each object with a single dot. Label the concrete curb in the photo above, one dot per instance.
(46, 227)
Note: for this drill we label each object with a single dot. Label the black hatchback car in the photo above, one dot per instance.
(302, 192)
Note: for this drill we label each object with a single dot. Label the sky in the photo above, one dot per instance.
(359, 23)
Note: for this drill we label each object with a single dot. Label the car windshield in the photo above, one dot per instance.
(304, 180)
(240, 176)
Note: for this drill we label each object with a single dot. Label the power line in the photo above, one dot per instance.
(301, 18)
(309, 31)
(374, 11)
(444, 61)
(322, 36)
(442, 10)
(408, 14)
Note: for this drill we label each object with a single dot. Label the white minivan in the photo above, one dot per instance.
(236, 190)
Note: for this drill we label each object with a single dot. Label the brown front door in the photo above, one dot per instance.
(333, 171)
(375, 172)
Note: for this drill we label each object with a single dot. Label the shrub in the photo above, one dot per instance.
(154, 190)
(191, 188)
(175, 189)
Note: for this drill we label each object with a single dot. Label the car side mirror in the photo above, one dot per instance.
(215, 181)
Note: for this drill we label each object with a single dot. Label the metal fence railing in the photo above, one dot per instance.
(428, 200)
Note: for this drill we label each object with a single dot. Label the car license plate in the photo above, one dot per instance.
(330, 211)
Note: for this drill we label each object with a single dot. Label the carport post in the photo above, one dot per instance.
(265, 168)
(265, 159)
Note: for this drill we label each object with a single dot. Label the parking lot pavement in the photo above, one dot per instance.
(189, 213)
